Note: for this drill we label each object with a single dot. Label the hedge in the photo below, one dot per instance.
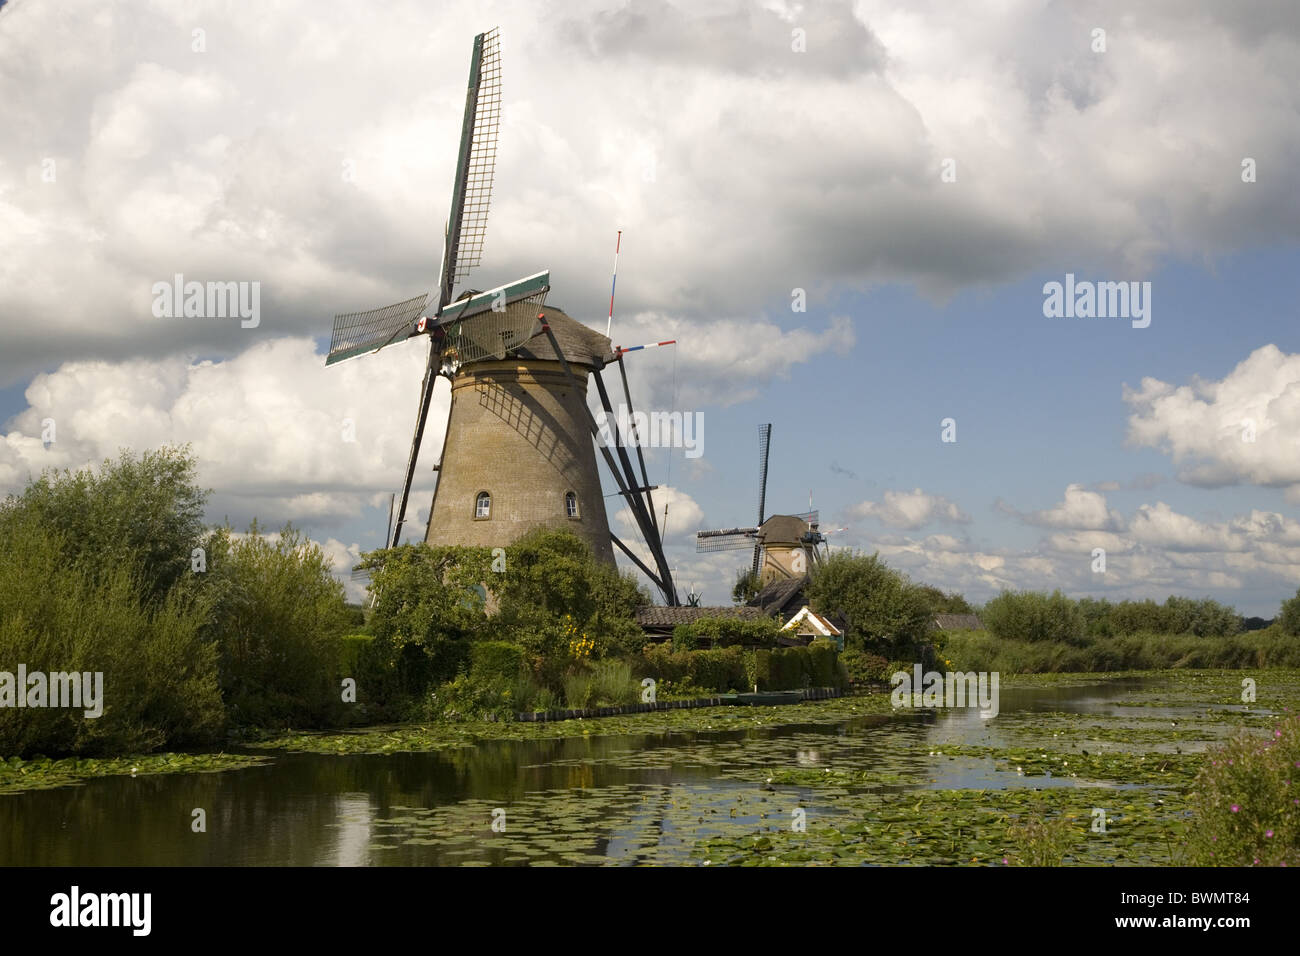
(726, 632)
(718, 670)
(730, 668)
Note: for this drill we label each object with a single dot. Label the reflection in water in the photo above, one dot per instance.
(354, 818)
(580, 799)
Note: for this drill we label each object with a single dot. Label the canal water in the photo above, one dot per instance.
(627, 799)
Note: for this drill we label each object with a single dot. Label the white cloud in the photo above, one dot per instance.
(1160, 526)
(1242, 429)
(720, 362)
(269, 427)
(1080, 509)
(738, 169)
(684, 517)
(909, 510)
(1247, 560)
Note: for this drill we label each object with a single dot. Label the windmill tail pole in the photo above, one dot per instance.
(620, 350)
(612, 283)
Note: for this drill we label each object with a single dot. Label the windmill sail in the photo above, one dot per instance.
(356, 333)
(475, 165)
(467, 224)
(726, 539)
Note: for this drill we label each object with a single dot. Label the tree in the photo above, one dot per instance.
(429, 603)
(746, 587)
(940, 602)
(884, 610)
(279, 620)
(145, 513)
(83, 588)
(553, 584)
(1288, 618)
(1034, 616)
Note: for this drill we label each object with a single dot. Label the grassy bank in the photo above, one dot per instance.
(981, 651)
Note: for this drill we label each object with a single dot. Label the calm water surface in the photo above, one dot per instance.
(616, 799)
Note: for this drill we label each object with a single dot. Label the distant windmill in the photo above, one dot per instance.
(775, 538)
(518, 451)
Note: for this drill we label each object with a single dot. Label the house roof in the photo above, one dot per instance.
(808, 621)
(657, 616)
(957, 622)
(778, 596)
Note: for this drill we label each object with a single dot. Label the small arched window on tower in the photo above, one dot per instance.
(483, 505)
(571, 504)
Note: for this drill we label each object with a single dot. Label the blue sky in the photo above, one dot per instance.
(746, 150)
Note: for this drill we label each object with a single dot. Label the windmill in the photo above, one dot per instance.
(775, 539)
(518, 450)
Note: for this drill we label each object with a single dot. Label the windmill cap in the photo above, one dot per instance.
(581, 345)
(783, 529)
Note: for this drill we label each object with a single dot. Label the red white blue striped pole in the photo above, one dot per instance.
(619, 350)
(613, 282)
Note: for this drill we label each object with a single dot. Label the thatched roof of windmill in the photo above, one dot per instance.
(581, 345)
(783, 529)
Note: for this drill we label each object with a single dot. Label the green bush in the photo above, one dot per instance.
(380, 694)
(146, 514)
(1288, 618)
(160, 685)
(278, 621)
(496, 661)
(426, 599)
(884, 610)
(664, 664)
(1246, 801)
(552, 574)
(726, 632)
(684, 638)
(788, 670)
(822, 654)
(981, 651)
(613, 684)
(352, 648)
(717, 671)
(862, 667)
(467, 698)
(1034, 616)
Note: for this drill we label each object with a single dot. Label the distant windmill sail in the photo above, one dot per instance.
(726, 539)
(764, 443)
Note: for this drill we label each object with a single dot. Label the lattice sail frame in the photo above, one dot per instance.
(492, 334)
(356, 333)
(481, 162)
(728, 539)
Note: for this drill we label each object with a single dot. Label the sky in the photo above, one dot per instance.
(849, 215)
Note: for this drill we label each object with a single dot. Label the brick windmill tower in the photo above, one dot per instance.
(519, 451)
